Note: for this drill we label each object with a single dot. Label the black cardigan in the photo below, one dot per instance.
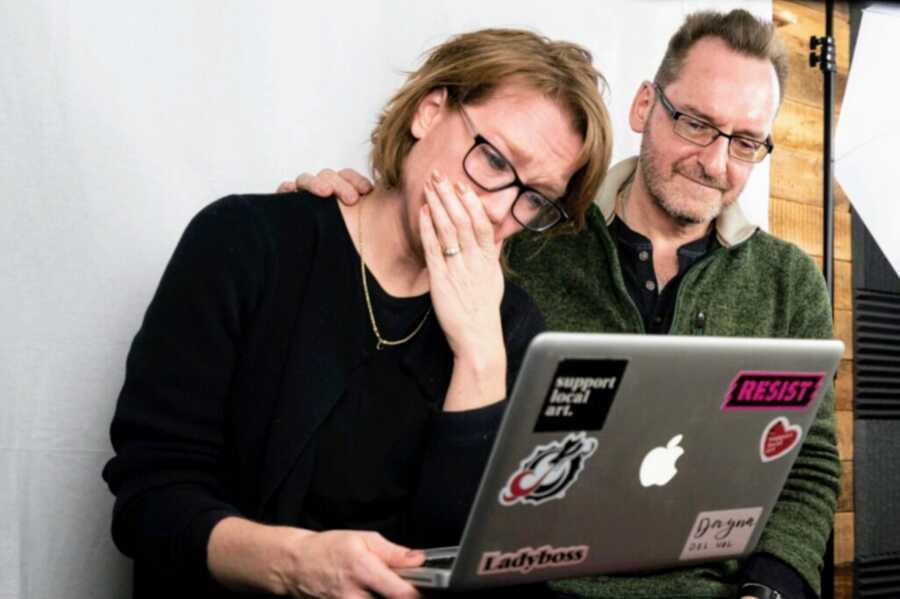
(210, 421)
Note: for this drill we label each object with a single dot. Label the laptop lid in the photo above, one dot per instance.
(638, 452)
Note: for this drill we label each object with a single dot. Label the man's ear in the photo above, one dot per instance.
(429, 111)
(641, 107)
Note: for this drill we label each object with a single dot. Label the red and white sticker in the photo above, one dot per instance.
(548, 471)
(778, 439)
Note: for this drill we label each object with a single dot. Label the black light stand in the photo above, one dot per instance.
(825, 60)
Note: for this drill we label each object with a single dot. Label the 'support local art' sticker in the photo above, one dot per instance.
(527, 559)
(778, 439)
(721, 533)
(548, 471)
(580, 396)
(765, 390)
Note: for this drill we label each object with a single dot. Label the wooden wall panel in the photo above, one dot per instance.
(802, 224)
(805, 83)
(845, 434)
(843, 538)
(843, 330)
(845, 499)
(843, 555)
(811, 21)
(843, 283)
(800, 178)
(798, 126)
(796, 215)
(843, 387)
(843, 581)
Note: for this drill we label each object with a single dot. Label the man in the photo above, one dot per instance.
(666, 249)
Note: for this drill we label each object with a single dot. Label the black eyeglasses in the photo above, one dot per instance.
(491, 171)
(703, 134)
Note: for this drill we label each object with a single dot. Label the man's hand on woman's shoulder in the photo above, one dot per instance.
(346, 184)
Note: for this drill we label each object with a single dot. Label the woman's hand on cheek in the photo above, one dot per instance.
(464, 270)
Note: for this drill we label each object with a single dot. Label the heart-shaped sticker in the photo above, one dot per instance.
(778, 439)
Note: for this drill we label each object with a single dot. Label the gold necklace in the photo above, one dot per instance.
(382, 342)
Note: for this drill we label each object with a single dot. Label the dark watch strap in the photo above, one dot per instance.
(760, 591)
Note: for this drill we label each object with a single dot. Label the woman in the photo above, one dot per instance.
(308, 376)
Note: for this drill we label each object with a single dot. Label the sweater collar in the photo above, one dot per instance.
(732, 226)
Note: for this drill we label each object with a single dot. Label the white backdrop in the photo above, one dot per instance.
(868, 133)
(118, 121)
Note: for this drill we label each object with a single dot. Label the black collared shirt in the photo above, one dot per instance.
(636, 257)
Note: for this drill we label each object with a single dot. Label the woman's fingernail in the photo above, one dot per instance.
(461, 188)
(435, 176)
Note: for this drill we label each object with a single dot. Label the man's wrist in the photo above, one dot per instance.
(773, 572)
(758, 591)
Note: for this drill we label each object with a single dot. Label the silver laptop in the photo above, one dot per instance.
(620, 453)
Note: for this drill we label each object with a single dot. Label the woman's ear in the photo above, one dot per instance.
(428, 112)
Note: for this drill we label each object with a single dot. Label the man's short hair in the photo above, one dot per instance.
(471, 66)
(740, 30)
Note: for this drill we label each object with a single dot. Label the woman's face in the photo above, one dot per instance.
(530, 131)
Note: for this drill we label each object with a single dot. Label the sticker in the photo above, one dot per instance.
(778, 439)
(721, 533)
(548, 471)
(762, 390)
(580, 396)
(527, 559)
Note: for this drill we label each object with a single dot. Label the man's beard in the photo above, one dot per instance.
(655, 182)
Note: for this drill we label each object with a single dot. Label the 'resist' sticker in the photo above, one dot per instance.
(765, 390)
(778, 439)
(721, 533)
(580, 396)
(527, 559)
(548, 471)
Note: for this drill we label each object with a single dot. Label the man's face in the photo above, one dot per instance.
(735, 93)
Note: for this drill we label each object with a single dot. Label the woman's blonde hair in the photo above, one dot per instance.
(471, 67)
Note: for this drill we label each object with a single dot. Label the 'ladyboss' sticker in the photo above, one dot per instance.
(765, 390)
(580, 395)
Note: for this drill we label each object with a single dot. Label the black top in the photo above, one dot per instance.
(245, 353)
(636, 256)
(369, 450)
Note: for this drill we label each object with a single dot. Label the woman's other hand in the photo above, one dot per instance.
(301, 563)
(466, 282)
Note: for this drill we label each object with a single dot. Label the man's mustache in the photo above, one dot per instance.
(697, 174)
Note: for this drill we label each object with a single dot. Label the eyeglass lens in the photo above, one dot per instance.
(490, 170)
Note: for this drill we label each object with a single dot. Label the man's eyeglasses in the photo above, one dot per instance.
(491, 171)
(703, 134)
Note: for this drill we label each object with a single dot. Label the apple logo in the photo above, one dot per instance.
(658, 467)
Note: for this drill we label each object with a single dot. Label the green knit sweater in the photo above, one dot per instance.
(754, 286)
